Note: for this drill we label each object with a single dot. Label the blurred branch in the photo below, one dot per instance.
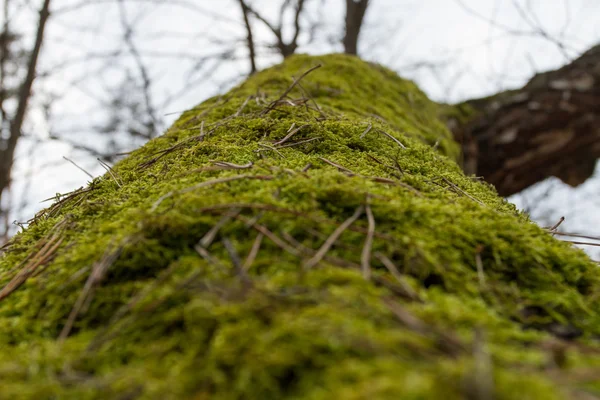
(249, 37)
(7, 153)
(128, 37)
(286, 49)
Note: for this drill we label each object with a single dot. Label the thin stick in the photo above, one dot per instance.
(583, 243)
(399, 143)
(333, 238)
(366, 252)
(81, 169)
(577, 235)
(299, 143)
(207, 256)
(480, 274)
(289, 135)
(42, 257)
(239, 111)
(271, 148)
(253, 251)
(289, 89)
(560, 221)
(205, 184)
(389, 265)
(462, 191)
(98, 272)
(228, 165)
(209, 237)
(110, 171)
(338, 166)
(366, 131)
(275, 239)
(235, 260)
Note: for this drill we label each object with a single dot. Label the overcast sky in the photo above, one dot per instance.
(479, 47)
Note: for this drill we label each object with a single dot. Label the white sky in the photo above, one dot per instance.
(475, 54)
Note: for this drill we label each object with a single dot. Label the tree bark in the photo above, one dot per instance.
(355, 14)
(550, 127)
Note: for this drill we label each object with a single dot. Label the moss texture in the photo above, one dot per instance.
(316, 245)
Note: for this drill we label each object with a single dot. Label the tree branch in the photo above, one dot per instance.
(249, 37)
(550, 127)
(7, 154)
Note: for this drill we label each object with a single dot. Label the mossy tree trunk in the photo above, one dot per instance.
(296, 239)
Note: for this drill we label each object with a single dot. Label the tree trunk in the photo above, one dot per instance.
(307, 241)
(355, 14)
(550, 127)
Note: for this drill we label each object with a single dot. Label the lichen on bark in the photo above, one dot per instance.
(322, 244)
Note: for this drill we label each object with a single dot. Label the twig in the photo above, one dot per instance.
(235, 260)
(270, 148)
(462, 191)
(366, 131)
(391, 137)
(479, 265)
(209, 237)
(81, 169)
(409, 292)
(481, 380)
(239, 111)
(307, 167)
(446, 342)
(338, 166)
(339, 262)
(288, 90)
(289, 135)
(98, 273)
(365, 259)
(332, 239)
(273, 208)
(253, 251)
(299, 142)
(43, 256)
(207, 256)
(555, 226)
(583, 243)
(318, 108)
(274, 238)
(228, 165)
(205, 184)
(110, 171)
(576, 235)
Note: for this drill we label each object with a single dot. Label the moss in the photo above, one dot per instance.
(150, 313)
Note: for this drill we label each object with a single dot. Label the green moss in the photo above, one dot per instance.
(164, 320)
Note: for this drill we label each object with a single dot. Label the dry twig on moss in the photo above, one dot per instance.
(332, 239)
(29, 266)
(96, 276)
(365, 258)
(272, 105)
